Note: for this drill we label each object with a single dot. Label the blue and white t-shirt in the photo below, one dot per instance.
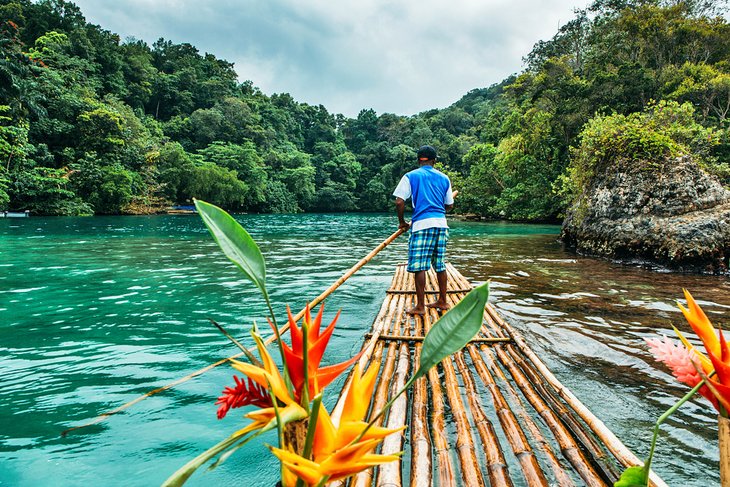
(430, 191)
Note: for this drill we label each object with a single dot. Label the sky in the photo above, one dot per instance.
(397, 56)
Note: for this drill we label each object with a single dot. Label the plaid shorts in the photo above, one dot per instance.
(427, 247)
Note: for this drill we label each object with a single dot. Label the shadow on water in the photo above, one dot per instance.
(95, 311)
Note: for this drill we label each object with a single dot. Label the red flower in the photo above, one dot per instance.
(242, 395)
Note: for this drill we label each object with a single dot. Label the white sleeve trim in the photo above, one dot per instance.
(403, 190)
(449, 199)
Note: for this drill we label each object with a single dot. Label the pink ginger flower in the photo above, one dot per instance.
(681, 362)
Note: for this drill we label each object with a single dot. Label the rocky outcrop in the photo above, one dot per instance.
(677, 216)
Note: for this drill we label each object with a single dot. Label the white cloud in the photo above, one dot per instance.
(401, 57)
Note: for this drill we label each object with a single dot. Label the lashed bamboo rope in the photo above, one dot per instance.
(617, 448)
(282, 330)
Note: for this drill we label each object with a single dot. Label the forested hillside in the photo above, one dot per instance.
(94, 124)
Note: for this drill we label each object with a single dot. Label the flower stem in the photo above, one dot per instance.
(662, 418)
(305, 364)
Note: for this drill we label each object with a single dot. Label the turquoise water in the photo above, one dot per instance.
(95, 311)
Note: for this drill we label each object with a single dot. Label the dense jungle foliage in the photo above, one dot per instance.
(91, 123)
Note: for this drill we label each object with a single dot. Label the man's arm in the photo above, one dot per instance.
(400, 208)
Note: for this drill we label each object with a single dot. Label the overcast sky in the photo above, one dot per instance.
(393, 56)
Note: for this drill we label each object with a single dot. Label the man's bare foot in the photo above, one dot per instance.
(416, 311)
(439, 305)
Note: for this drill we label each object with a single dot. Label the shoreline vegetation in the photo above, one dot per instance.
(91, 123)
(94, 124)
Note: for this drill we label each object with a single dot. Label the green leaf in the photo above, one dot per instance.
(183, 474)
(235, 242)
(453, 330)
(632, 477)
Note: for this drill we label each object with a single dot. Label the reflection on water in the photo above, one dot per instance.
(95, 311)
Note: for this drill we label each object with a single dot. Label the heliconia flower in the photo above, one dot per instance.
(269, 379)
(717, 351)
(316, 345)
(722, 368)
(700, 324)
(335, 454)
(242, 395)
(681, 362)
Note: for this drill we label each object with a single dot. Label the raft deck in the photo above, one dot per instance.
(492, 414)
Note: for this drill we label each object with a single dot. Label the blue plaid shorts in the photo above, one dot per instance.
(427, 247)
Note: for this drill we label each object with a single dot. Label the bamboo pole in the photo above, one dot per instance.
(282, 330)
(573, 428)
(724, 440)
(562, 478)
(365, 477)
(615, 446)
(496, 463)
(518, 441)
(570, 449)
(470, 471)
(444, 469)
(390, 473)
(421, 464)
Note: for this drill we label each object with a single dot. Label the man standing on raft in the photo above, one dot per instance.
(431, 195)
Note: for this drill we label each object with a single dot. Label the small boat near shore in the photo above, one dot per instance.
(15, 214)
(181, 210)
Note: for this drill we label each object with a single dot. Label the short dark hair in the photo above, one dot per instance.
(427, 153)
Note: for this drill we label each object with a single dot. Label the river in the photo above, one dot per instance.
(95, 311)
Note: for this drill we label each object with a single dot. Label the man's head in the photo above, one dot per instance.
(427, 155)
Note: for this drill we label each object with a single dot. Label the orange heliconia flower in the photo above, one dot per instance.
(319, 377)
(270, 379)
(701, 325)
(335, 454)
(717, 351)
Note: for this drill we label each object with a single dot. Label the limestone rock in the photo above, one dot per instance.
(677, 216)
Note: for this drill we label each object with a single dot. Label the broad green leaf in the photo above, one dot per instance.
(235, 242)
(183, 474)
(632, 477)
(453, 330)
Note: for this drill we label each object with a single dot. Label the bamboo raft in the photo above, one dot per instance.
(492, 414)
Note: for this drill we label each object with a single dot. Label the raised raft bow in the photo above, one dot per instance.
(512, 422)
